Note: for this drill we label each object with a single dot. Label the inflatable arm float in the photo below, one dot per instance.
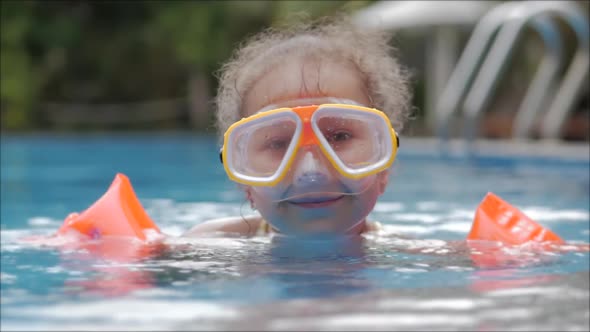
(496, 220)
(118, 212)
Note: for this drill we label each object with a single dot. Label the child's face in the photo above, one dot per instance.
(316, 209)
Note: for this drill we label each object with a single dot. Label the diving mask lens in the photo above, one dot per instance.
(357, 141)
(257, 149)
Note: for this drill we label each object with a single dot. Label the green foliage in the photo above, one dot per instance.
(93, 52)
(15, 65)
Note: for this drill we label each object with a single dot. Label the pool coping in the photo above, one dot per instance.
(572, 151)
(409, 145)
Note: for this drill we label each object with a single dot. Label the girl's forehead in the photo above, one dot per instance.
(299, 83)
(309, 101)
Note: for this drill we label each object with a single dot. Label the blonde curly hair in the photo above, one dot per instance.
(337, 38)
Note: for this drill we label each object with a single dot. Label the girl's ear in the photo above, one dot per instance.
(382, 180)
(248, 192)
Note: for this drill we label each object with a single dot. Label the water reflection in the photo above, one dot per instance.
(289, 268)
(493, 280)
(108, 267)
(318, 268)
(113, 267)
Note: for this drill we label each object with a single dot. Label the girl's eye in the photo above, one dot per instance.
(278, 144)
(339, 136)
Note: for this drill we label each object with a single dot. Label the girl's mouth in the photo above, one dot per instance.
(315, 202)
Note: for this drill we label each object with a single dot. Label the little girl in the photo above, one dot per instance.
(310, 117)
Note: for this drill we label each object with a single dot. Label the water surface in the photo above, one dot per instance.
(431, 281)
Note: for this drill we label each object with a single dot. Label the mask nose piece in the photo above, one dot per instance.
(310, 179)
(311, 172)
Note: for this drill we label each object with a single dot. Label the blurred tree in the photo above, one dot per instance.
(95, 52)
(18, 86)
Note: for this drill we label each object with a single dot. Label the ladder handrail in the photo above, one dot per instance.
(467, 65)
(570, 85)
(541, 89)
(496, 60)
(577, 74)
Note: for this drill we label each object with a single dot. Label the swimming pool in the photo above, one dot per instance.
(425, 283)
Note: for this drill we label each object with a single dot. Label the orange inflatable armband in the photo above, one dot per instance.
(118, 212)
(496, 220)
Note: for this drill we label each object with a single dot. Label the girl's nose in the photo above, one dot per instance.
(311, 170)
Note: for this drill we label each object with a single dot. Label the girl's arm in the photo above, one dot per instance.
(240, 226)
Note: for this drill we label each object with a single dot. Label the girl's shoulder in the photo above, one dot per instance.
(265, 228)
(249, 226)
(240, 226)
(373, 226)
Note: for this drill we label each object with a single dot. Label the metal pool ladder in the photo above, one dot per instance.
(509, 20)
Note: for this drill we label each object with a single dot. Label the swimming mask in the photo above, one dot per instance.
(260, 149)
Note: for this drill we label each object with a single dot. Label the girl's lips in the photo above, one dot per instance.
(317, 202)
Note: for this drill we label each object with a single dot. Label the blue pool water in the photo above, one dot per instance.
(428, 281)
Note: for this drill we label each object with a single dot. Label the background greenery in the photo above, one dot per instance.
(149, 65)
(57, 53)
